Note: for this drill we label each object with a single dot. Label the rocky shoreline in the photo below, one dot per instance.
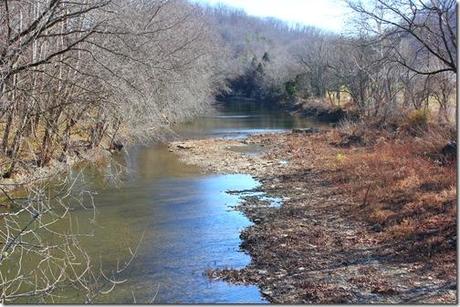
(315, 248)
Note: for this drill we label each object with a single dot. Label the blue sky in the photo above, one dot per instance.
(326, 14)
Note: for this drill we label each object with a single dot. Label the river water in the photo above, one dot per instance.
(185, 218)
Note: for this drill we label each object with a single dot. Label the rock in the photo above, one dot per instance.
(118, 146)
(384, 290)
(62, 158)
(351, 140)
(262, 272)
(267, 292)
(452, 242)
(183, 146)
(305, 130)
(326, 114)
(377, 227)
(450, 150)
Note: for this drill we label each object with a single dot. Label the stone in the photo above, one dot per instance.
(450, 149)
(183, 146)
(118, 146)
(377, 227)
(305, 130)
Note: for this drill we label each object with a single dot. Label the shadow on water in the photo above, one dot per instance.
(185, 217)
(239, 119)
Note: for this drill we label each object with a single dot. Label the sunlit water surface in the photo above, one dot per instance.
(183, 218)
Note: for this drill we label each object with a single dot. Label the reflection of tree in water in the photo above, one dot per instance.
(42, 258)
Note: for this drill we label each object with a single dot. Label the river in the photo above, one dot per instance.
(185, 218)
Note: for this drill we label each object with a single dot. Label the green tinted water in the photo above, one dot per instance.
(184, 218)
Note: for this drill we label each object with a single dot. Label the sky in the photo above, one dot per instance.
(327, 14)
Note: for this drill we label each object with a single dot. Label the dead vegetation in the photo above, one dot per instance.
(405, 188)
(372, 222)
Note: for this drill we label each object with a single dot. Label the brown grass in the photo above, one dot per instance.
(401, 184)
(410, 194)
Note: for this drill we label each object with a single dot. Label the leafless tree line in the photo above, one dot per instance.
(404, 57)
(82, 74)
(92, 70)
(399, 55)
(77, 75)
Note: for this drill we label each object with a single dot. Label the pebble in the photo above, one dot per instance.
(262, 272)
(267, 292)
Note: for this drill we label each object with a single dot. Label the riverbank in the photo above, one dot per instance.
(29, 175)
(359, 224)
(317, 109)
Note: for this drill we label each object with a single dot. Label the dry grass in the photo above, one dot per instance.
(402, 185)
(395, 242)
(32, 144)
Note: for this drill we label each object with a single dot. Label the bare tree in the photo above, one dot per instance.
(429, 26)
(41, 249)
(75, 76)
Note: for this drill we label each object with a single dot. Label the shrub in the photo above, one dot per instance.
(290, 88)
(419, 118)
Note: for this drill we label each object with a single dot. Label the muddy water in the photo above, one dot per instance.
(184, 218)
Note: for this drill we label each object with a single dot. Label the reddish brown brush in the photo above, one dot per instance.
(400, 185)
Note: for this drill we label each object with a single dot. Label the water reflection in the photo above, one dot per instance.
(238, 119)
(193, 230)
(183, 216)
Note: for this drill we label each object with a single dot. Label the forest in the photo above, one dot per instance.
(84, 79)
(77, 74)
